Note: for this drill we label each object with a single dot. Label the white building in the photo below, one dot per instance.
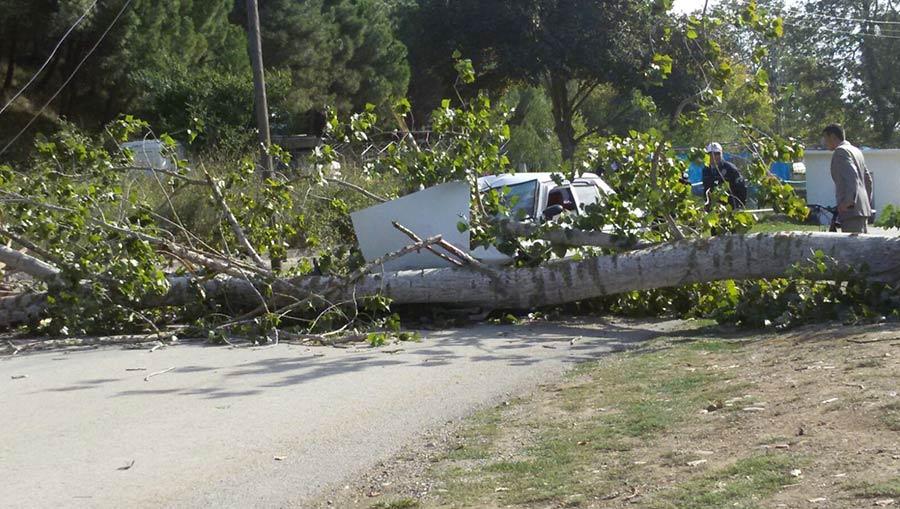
(884, 165)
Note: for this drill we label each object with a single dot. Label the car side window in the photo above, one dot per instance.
(587, 195)
(561, 196)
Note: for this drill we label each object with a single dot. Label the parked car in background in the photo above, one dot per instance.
(438, 210)
(538, 196)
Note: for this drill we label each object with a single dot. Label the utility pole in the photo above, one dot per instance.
(262, 104)
(259, 86)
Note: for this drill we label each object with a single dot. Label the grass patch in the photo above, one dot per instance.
(891, 416)
(403, 503)
(740, 485)
(610, 408)
(785, 226)
(889, 488)
(476, 440)
(714, 346)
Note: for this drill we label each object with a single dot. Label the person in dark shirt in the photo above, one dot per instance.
(719, 171)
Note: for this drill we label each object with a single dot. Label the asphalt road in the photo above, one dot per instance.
(242, 427)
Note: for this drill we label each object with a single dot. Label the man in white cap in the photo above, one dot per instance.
(719, 171)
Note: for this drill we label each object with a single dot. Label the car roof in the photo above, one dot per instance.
(511, 179)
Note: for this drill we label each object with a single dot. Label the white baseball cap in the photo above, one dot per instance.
(714, 148)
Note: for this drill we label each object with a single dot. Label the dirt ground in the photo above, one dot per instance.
(703, 418)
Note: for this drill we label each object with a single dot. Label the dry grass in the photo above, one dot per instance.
(763, 421)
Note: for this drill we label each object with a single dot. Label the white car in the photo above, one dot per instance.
(538, 196)
(533, 197)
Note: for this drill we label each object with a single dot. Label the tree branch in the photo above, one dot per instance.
(415, 238)
(28, 264)
(236, 228)
(356, 188)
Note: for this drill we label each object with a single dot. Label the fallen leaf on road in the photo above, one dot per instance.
(280, 458)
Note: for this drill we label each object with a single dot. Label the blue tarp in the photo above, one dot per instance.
(781, 170)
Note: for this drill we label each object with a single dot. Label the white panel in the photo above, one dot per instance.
(819, 186)
(884, 165)
(434, 211)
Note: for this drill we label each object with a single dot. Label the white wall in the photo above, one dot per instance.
(884, 165)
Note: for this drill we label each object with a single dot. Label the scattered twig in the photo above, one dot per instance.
(634, 493)
(151, 375)
(52, 344)
(867, 341)
(127, 467)
(135, 369)
(157, 347)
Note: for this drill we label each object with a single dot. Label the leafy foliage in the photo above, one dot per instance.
(889, 217)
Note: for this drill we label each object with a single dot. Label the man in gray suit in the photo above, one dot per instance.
(852, 181)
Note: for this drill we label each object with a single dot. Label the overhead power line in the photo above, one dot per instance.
(843, 32)
(69, 79)
(840, 18)
(50, 58)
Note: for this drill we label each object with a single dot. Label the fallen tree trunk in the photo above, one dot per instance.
(572, 237)
(674, 264)
(738, 257)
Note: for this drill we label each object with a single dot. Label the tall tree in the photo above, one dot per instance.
(340, 53)
(860, 40)
(568, 47)
(151, 36)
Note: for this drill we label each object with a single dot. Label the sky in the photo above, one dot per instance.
(690, 5)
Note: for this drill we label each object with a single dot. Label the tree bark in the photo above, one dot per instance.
(736, 257)
(563, 115)
(10, 60)
(18, 261)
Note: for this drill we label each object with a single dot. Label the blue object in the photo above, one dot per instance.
(783, 171)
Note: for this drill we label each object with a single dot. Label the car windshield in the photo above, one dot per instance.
(520, 198)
